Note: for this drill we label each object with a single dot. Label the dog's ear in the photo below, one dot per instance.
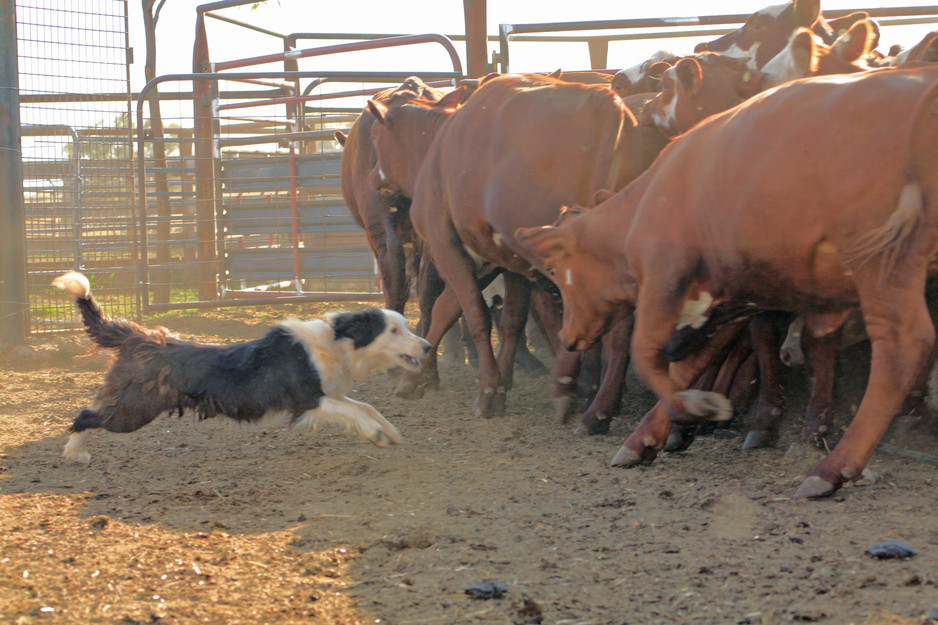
(361, 327)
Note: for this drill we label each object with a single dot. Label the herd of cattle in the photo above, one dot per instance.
(679, 211)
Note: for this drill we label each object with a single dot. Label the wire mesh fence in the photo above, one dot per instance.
(76, 152)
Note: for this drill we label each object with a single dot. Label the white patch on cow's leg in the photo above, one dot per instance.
(706, 405)
(695, 311)
(76, 449)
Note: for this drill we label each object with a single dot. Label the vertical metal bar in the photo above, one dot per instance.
(13, 297)
(504, 32)
(295, 222)
(76, 196)
(135, 251)
(599, 52)
(476, 40)
(203, 113)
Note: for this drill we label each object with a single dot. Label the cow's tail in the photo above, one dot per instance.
(889, 240)
(102, 330)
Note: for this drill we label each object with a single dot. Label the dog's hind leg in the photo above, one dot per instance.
(355, 416)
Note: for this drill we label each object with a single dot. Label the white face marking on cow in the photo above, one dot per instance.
(498, 239)
(666, 116)
(741, 53)
(568, 277)
(783, 67)
(694, 312)
(381, 175)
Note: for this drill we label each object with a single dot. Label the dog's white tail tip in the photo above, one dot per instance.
(74, 283)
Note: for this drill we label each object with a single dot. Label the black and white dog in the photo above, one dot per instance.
(299, 372)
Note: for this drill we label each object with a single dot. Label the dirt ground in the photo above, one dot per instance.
(187, 522)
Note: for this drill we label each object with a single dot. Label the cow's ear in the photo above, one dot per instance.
(654, 73)
(804, 52)
(807, 12)
(378, 110)
(689, 75)
(856, 43)
(555, 74)
(451, 100)
(545, 241)
(340, 137)
(841, 25)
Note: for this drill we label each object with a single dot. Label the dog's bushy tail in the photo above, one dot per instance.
(102, 330)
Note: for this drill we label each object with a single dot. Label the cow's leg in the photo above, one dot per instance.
(770, 404)
(446, 312)
(514, 314)
(649, 437)
(744, 384)
(457, 269)
(718, 377)
(821, 353)
(902, 337)
(605, 405)
(388, 251)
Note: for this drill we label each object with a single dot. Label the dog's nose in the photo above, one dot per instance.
(426, 347)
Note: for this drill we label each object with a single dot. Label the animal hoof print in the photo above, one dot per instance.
(706, 405)
(814, 487)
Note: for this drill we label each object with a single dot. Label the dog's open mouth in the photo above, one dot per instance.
(411, 361)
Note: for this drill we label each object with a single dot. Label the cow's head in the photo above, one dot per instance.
(593, 298)
(697, 87)
(644, 77)
(807, 55)
(766, 32)
(401, 135)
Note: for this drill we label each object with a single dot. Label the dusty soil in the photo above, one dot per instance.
(186, 522)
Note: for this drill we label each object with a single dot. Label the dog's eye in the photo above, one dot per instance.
(395, 330)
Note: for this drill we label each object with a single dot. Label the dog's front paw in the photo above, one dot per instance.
(385, 437)
(75, 449)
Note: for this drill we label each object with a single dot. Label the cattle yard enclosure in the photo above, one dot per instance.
(231, 194)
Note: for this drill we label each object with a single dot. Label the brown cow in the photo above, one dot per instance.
(767, 31)
(737, 210)
(703, 84)
(384, 217)
(644, 77)
(697, 87)
(519, 148)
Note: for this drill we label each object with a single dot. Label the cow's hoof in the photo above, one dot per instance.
(679, 439)
(491, 404)
(760, 438)
(410, 391)
(625, 457)
(593, 425)
(814, 487)
(563, 408)
(707, 405)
